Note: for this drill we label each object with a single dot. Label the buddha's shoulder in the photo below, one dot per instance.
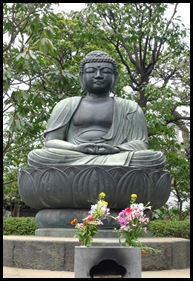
(68, 101)
(129, 104)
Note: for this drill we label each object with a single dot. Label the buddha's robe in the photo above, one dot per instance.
(128, 132)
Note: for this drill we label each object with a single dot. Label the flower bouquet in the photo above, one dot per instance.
(89, 225)
(133, 223)
(132, 220)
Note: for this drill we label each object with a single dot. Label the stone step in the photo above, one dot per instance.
(57, 253)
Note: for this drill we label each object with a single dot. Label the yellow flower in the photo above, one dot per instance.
(102, 195)
(133, 196)
(104, 203)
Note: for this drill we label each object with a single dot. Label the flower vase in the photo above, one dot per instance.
(107, 262)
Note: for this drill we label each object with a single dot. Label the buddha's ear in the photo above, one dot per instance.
(114, 83)
(81, 79)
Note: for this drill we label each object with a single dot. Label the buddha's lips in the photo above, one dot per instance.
(98, 82)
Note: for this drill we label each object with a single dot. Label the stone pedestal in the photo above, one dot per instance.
(65, 192)
(107, 262)
(61, 218)
(77, 187)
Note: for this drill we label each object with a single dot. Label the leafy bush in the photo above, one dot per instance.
(19, 226)
(158, 228)
(163, 228)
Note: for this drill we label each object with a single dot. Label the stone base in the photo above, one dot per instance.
(56, 253)
(107, 262)
(61, 218)
(69, 232)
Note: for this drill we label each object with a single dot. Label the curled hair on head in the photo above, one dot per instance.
(97, 56)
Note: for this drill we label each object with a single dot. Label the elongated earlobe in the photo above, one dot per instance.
(114, 84)
(82, 89)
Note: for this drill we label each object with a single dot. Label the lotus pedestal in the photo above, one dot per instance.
(65, 192)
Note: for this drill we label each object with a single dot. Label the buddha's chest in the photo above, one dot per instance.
(93, 113)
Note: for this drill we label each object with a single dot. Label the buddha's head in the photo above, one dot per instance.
(93, 59)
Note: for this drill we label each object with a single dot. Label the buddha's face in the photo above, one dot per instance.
(98, 77)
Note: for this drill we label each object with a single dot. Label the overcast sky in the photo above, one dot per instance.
(183, 10)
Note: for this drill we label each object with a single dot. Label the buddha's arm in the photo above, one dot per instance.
(55, 138)
(89, 148)
(133, 145)
(56, 143)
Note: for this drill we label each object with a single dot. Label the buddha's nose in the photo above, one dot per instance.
(98, 74)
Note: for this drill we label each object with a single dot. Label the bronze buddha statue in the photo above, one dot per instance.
(98, 129)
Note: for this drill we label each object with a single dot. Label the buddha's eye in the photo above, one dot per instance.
(107, 70)
(90, 70)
